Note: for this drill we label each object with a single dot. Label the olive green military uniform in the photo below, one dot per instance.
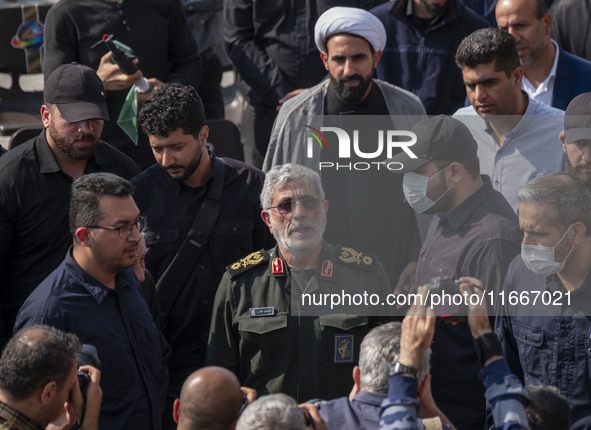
(256, 333)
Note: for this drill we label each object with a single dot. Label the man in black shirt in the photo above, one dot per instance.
(171, 195)
(474, 232)
(35, 181)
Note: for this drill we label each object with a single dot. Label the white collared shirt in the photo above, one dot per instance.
(544, 92)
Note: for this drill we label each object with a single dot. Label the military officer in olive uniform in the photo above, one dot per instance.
(266, 327)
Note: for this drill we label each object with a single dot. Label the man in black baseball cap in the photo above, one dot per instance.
(474, 233)
(576, 138)
(446, 169)
(35, 180)
(78, 93)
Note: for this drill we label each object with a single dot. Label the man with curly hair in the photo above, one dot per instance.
(171, 195)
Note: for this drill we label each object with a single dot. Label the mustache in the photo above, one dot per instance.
(356, 77)
(79, 137)
(176, 166)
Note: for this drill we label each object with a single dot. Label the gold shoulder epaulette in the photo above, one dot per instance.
(351, 257)
(248, 262)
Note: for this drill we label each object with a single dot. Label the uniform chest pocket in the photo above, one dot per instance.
(529, 342)
(265, 341)
(340, 336)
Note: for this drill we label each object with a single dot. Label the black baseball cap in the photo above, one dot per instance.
(78, 93)
(577, 119)
(438, 138)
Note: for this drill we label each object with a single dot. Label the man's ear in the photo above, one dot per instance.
(457, 171)
(357, 378)
(266, 216)
(578, 232)
(175, 410)
(48, 393)
(324, 58)
(83, 235)
(203, 135)
(562, 139)
(376, 58)
(45, 116)
(517, 76)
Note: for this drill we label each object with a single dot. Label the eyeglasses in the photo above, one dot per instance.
(287, 206)
(126, 229)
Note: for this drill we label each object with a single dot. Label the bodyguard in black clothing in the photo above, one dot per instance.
(474, 232)
(35, 180)
(185, 184)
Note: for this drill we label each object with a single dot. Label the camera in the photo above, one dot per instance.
(439, 284)
(87, 356)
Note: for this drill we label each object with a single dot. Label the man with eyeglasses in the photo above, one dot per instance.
(546, 329)
(35, 181)
(269, 324)
(95, 294)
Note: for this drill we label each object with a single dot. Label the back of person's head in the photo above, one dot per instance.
(210, 400)
(548, 409)
(569, 199)
(485, 46)
(379, 351)
(172, 107)
(34, 357)
(85, 196)
(280, 176)
(272, 412)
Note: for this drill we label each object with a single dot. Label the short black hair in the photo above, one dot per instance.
(172, 107)
(35, 356)
(487, 45)
(85, 196)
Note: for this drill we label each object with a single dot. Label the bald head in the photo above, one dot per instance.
(210, 399)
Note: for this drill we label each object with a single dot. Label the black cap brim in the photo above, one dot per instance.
(408, 164)
(82, 111)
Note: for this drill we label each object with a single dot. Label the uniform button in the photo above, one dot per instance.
(201, 267)
(234, 228)
(497, 182)
(524, 336)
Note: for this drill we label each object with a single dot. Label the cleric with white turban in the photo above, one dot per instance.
(349, 20)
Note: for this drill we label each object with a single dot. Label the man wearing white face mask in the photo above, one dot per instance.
(474, 232)
(548, 341)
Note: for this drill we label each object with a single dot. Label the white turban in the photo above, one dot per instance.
(351, 20)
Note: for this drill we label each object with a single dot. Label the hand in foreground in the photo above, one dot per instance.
(418, 328)
(112, 76)
(478, 319)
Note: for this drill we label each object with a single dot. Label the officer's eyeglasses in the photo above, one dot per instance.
(288, 206)
(125, 230)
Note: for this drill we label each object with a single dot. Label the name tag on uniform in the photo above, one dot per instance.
(267, 311)
(343, 348)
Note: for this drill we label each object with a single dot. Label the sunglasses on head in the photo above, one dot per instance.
(287, 206)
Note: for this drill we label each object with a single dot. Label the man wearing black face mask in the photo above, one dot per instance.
(546, 341)
(473, 233)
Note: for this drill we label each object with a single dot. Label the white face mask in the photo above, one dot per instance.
(415, 186)
(540, 259)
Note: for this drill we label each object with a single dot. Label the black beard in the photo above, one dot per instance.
(350, 94)
(431, 9)
(67, 148)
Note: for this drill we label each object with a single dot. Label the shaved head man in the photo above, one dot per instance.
(210, 399)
